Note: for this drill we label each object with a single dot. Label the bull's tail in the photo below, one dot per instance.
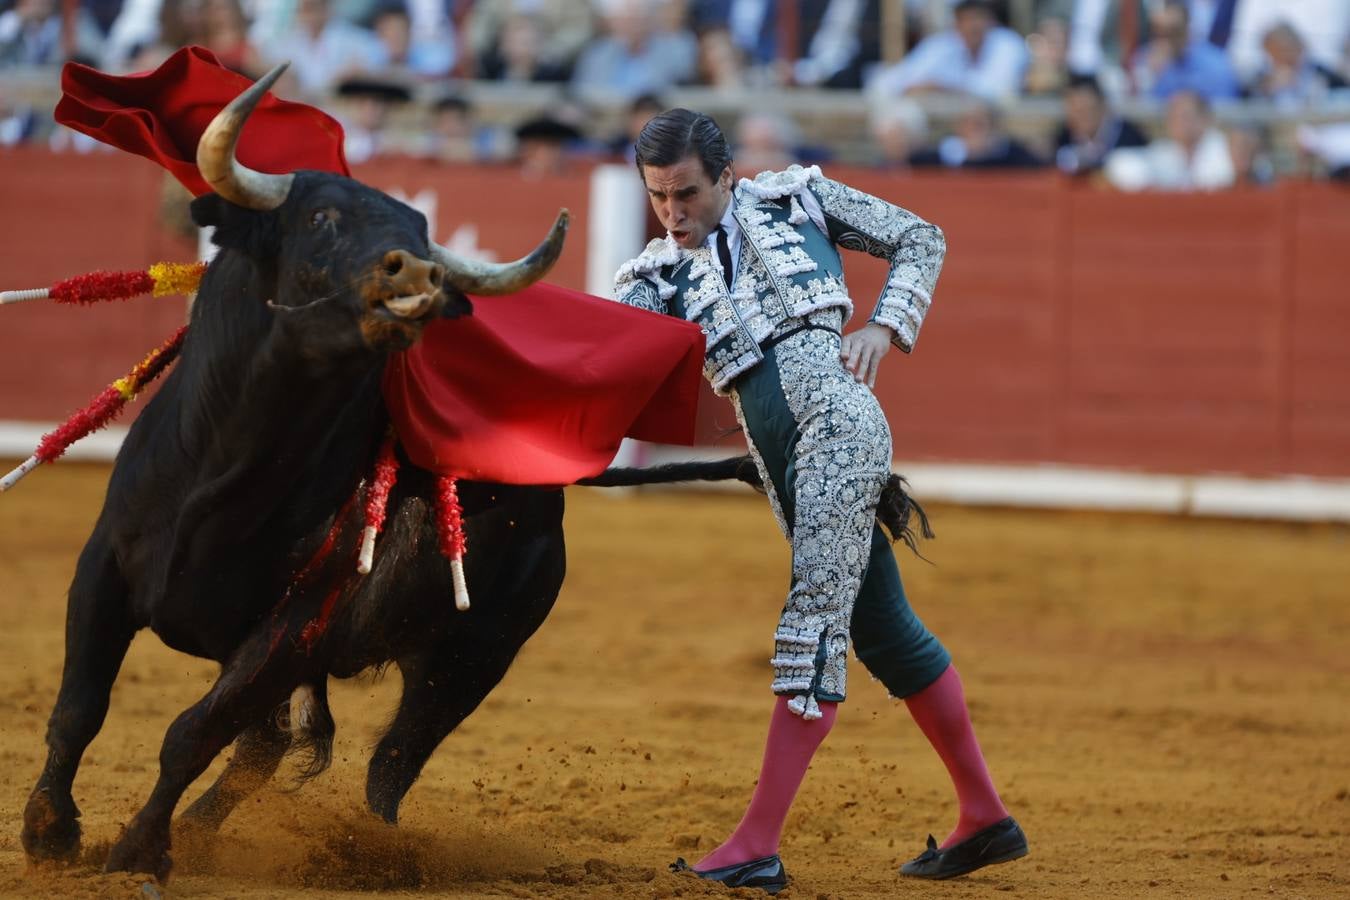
(894, 512)
(740, 468)
(898, 512)
(312, 729)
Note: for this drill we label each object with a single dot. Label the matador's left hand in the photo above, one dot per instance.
(863, 349)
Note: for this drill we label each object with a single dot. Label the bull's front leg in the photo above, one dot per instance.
(98, 632)
(442, 687)
(259, 676)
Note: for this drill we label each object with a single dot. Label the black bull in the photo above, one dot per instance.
(234, 474)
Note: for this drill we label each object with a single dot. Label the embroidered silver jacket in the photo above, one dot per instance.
(787, 269)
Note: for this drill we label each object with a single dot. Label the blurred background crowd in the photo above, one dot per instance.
(1164, 94)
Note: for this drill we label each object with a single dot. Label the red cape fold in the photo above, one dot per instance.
(540, 386)
(161, 114)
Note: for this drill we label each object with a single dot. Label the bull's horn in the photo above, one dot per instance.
(491, 279)
(215, 154)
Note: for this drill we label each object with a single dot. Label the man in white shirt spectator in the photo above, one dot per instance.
(636, 56)
(1194, 156)
(975, 56)
(323, 49)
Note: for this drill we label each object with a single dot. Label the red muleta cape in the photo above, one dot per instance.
(538, 387)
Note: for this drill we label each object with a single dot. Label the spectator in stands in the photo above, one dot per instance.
(720, 62)
(976, 56)
(765, 142)
(640, 112)
(178, 25)
(30, 35)
(450, 137)
(1194, 155)
(542, 146)
(1048, 48)
(455, 136)
(1091, 129)
(749, 26)
(635, 56)
(18, 121)
(518, 57)
(415, 56)
(899, 130)
(1324, 26)
(218, 25)
(843, 39)
(1173, 61)
(550, 33)
(366, 105)
(1290, 77)
(1098, 40)
(324, 49)
(979, 141)
(225, 33)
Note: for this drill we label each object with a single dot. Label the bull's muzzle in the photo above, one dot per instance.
(406, 286)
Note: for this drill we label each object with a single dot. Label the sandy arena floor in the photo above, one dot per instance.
(1163, 703)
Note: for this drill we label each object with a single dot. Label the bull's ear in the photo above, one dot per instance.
(456, 305)
(253, 233)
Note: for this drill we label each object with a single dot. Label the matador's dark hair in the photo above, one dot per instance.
(679, 133)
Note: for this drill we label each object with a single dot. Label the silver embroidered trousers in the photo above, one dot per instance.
(823, 449)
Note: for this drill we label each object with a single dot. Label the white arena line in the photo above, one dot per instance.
(1049, 486)
(1077, 487)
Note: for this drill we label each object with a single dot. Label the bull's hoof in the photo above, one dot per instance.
(51, 828)
(145, 857)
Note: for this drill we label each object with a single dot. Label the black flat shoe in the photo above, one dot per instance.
(999, 843)
(767, 873)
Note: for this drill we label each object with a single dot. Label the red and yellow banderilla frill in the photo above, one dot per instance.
(101, 410)
(159, 280)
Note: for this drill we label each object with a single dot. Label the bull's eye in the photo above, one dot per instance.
(318, 218)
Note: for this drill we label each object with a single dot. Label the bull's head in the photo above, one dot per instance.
(346, 260)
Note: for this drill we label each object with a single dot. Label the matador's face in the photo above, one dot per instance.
(688, 203)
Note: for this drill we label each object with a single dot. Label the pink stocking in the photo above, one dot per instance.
(940, 711)
(787, 754)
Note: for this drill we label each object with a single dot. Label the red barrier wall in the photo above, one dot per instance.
(1171, 333)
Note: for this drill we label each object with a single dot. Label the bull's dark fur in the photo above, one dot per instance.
(227, 484)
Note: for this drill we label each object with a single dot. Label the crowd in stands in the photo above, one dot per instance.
(371, 61)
